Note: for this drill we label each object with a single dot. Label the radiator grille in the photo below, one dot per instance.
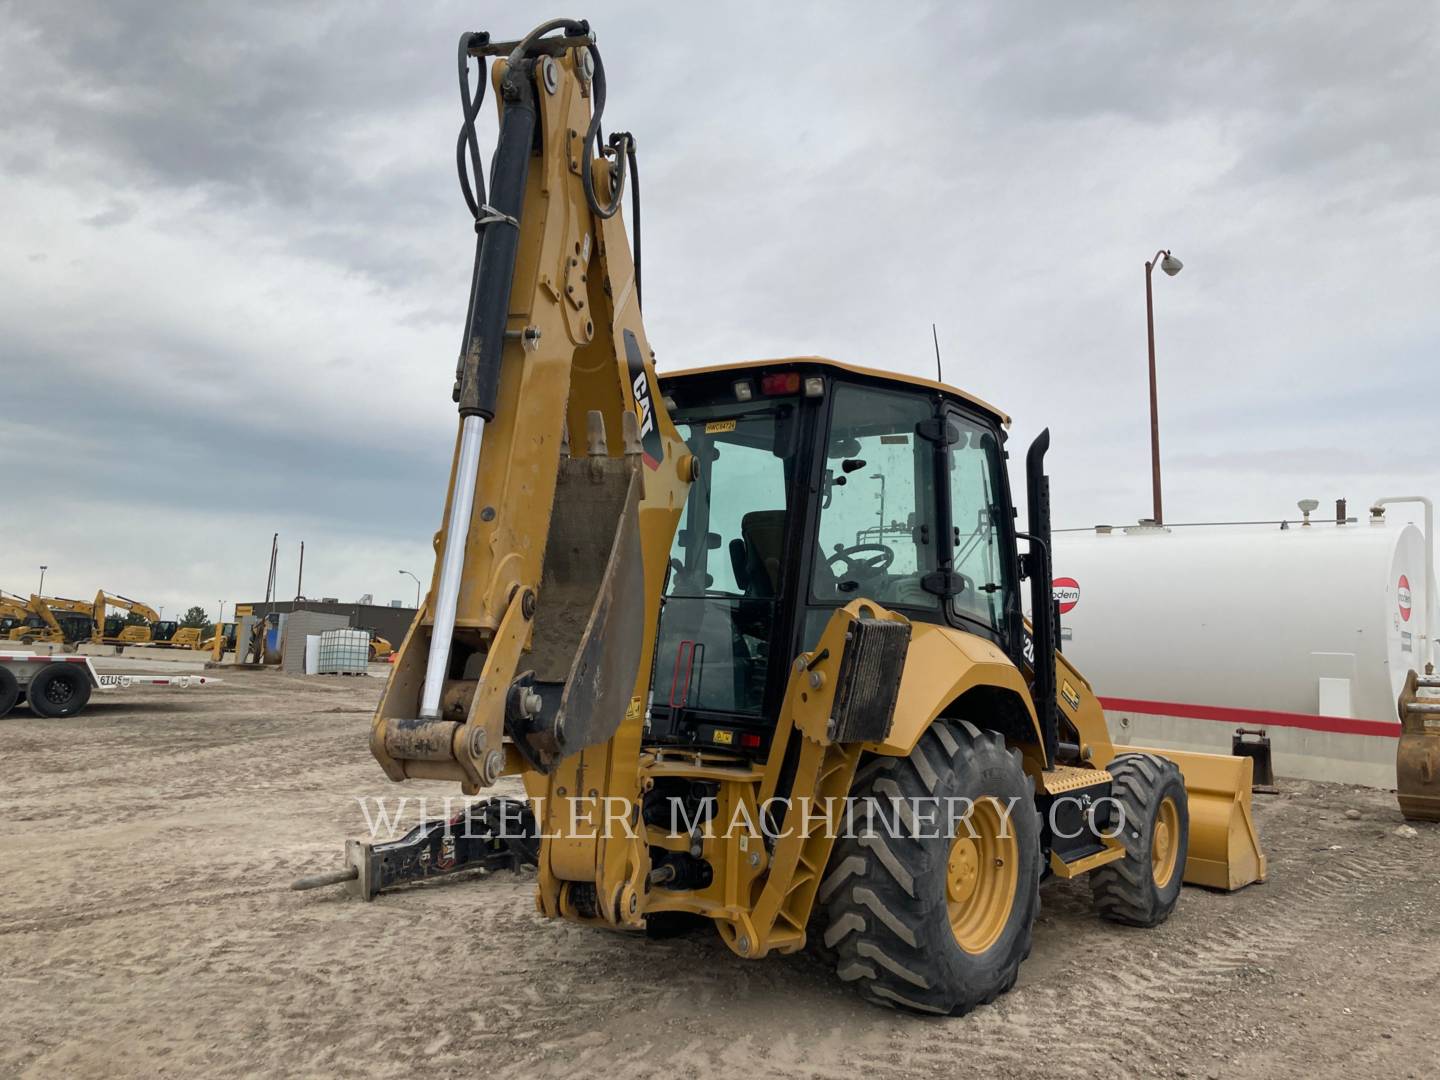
(869, 680)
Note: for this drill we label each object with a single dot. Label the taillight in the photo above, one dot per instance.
(780, 382)
(750, 741)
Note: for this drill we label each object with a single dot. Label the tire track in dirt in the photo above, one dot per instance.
(1114, 1006)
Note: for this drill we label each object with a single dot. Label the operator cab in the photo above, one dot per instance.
(819, 484)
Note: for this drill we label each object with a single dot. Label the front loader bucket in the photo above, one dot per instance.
(1224, 847)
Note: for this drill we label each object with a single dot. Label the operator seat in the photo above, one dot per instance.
(763, 532)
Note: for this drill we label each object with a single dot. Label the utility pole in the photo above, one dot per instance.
(300, 577)
(274, 555)
(1171, 266)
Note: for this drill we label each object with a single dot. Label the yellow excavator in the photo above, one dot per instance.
(14, 611)
(52, 620)
(752, 635)
(113, 629)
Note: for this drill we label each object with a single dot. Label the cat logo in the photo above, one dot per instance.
(652, 450)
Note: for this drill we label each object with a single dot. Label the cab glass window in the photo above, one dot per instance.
(976, 506)
(876, 534)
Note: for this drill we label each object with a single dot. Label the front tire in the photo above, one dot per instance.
(1143, 888)
(926, 916)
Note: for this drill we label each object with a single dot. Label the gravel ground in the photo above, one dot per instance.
(146, 929)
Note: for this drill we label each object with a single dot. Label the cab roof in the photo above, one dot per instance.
(849, 369)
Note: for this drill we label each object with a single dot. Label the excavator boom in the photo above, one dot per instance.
(568, 476)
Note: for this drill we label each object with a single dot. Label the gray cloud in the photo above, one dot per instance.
(235, 259)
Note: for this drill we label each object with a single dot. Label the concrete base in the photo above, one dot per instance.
(1339, 757)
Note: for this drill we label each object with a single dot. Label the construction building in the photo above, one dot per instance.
(389, 622)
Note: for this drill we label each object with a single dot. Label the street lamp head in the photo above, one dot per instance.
(1171, 265)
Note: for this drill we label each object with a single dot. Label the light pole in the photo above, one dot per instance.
(41, 590)
(1171, 266)
(417, 587)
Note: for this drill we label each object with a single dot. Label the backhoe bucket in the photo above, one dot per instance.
(590, 622)
(1224, 847)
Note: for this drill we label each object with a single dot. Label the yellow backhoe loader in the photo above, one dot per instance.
(219, 642)
(751, 635)
(380, 647)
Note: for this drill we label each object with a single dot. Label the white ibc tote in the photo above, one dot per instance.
(344, 652)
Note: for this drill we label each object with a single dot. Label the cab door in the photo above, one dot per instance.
(981, 524)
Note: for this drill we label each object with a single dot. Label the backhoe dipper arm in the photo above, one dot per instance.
(541, 553)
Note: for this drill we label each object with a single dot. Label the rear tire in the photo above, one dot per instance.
(1143, 888)
(924, 917)
(9, 690)
(58, 690)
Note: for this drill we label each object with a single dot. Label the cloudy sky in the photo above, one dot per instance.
(234, 258)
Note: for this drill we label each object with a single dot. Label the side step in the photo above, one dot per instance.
(1070, 796)
(497, 834)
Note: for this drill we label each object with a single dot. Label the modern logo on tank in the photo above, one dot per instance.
(1402, 597)
(1067, 591)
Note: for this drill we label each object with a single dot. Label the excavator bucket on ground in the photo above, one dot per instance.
(1417, 758)
(1224, 846)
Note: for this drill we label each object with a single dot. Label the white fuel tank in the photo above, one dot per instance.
(1322, 619)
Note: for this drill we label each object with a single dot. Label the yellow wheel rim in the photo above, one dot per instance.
(981, 877)
(1164, 844)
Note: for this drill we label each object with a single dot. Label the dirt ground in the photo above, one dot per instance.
(147, 929)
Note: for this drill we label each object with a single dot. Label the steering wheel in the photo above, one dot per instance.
(882, 555)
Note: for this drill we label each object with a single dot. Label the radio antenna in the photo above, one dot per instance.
(939, 373)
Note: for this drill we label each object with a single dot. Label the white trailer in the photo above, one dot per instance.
(60, 686)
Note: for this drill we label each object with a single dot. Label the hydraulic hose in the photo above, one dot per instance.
(634, 212)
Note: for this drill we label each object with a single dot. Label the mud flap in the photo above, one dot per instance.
(590, 620)
(1224, 846)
